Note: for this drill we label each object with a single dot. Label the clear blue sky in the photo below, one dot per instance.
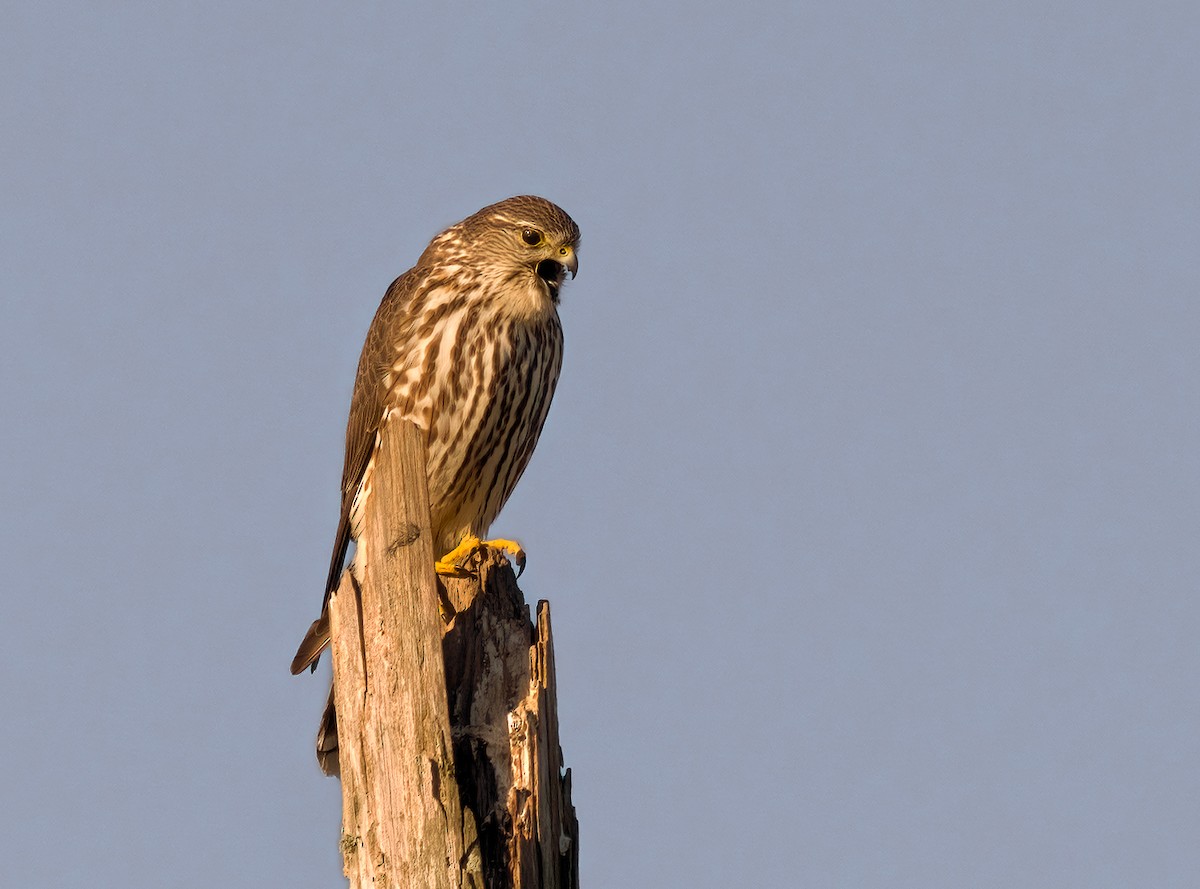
(868, 506)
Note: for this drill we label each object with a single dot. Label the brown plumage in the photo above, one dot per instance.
(466, 344)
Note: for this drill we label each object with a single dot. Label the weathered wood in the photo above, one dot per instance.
(402, 822)
(447, 724)
(503, 711)
(547, 833)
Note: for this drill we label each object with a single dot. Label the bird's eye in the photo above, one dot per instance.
(531, 236)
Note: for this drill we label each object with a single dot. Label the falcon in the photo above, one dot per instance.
(467, 345)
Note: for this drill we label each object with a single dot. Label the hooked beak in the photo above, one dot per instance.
(568, 259)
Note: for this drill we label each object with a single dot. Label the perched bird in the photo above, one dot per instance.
(467, 345)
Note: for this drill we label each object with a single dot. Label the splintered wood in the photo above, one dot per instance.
(447, 723)
(539, 800)
(503, 708)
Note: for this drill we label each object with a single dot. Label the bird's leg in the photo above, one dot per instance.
(448, 566)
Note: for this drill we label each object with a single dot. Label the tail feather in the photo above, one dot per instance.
(315, 641)
(327, 740)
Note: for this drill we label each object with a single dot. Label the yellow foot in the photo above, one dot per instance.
(448, 566)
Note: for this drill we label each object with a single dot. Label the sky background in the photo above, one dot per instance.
(869, 503)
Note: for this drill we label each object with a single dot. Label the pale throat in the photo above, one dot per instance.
(526, 296)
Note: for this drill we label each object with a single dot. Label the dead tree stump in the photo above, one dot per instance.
(447, 722)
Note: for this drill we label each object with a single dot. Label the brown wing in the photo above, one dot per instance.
(362, 428)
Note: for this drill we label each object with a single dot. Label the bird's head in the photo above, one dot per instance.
(522, 240)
